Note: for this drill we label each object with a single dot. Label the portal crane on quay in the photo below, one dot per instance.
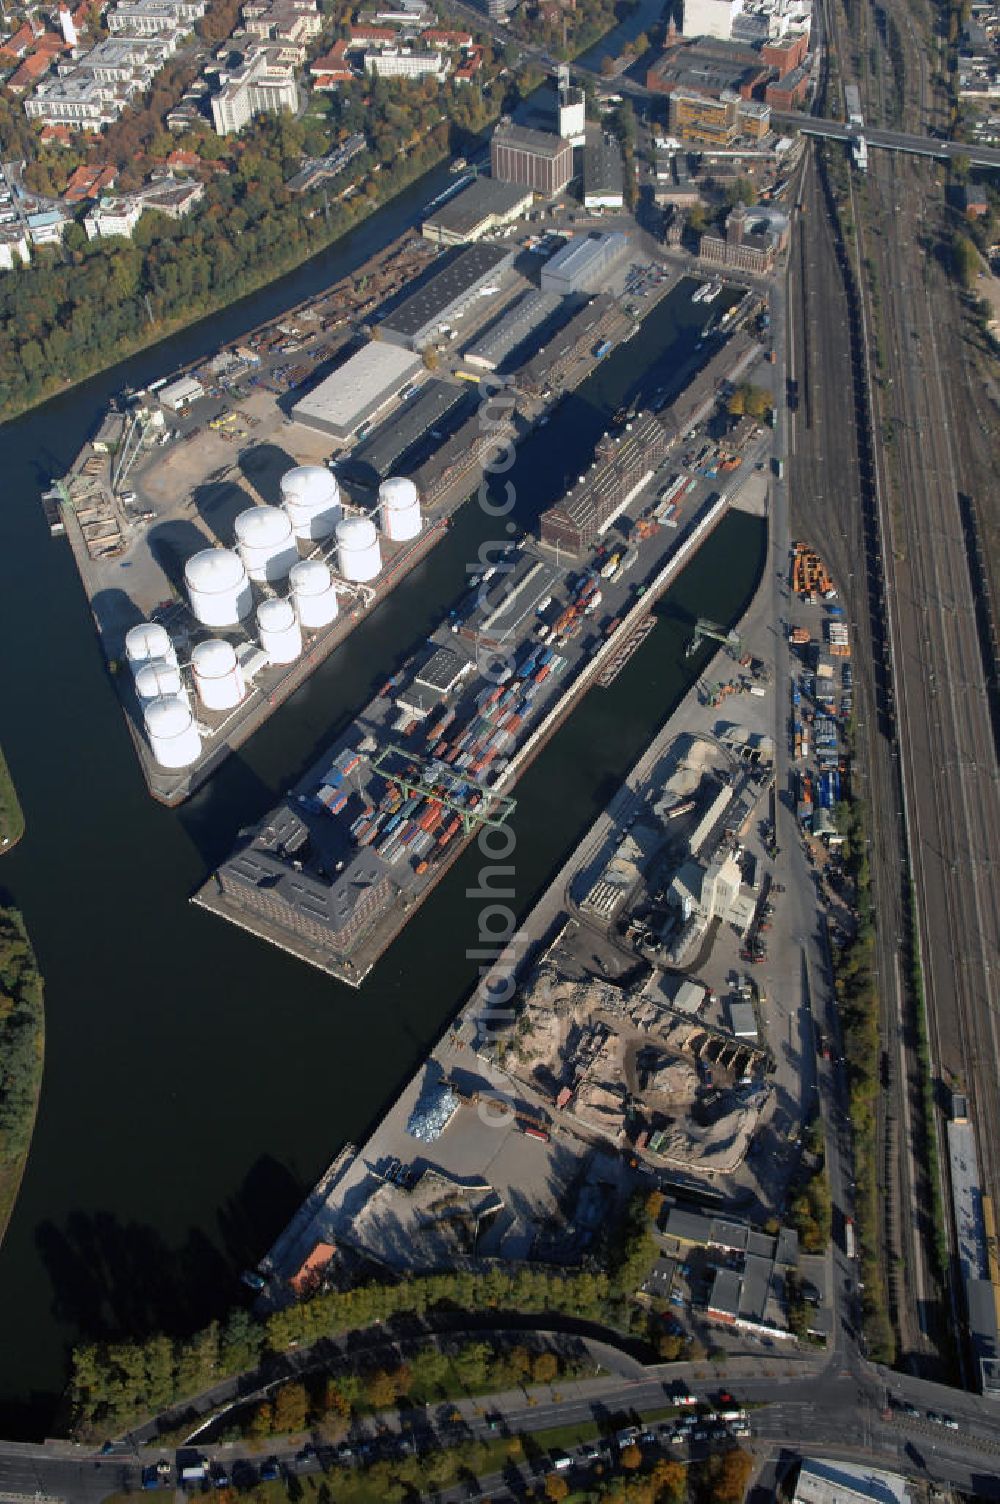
(492, 810)
(710, 629)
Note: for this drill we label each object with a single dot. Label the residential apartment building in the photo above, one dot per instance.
(93, 90)
(14, 248)
(296, 21)
(264, 84)
(119, 214)
(399, 62)
(150, 18)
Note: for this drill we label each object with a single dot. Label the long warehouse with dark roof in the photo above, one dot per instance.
(383, 452)
(446, 296)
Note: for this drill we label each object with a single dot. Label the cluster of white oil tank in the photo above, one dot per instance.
(173, 734)
(219, 587)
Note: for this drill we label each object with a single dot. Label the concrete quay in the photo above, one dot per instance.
(483, 1163)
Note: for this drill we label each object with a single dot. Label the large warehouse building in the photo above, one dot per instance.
(711, 18)
(585, 263)
(447, 295)
(365, 384)
(603, 175)
(388, 450)
(624, 465)
(478, 210)
(528, 314)
(533, 159)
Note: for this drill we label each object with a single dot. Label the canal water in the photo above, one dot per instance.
(197, 1081)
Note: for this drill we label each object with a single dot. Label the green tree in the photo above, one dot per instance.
(291, 1407)
(545, 1368)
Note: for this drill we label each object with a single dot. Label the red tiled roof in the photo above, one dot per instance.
(88, 182)
(183, 159)
(59, 135)
(472, 64)
(447, 38)
(333, 60)
(31, 70)
(373, 34)
(18, 44)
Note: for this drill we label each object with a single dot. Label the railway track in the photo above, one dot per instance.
(950, 781)
(856, 31)
(833, 486)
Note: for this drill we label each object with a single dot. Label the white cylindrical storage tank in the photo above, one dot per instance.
(399, 504)
(359, 557)
(159, 677)
(146, 643)
(217, 587)
(311, 497)
(279, 631)
(313, 595)
(217, 674)
(264, 539)
(173, 736)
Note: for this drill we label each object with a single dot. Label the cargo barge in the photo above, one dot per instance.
(338, 868)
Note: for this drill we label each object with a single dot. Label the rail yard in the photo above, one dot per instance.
(925, 740)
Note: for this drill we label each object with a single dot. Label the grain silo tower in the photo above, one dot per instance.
(313, 594)
(399, 505)
(173, 736)
(266, 543)
(359, 557)
(217, 587)
(310, 496)
(218, 677)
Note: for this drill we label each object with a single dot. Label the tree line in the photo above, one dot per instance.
(83, 306)
(858, 1004)
(22, 1044)
(114, 1384)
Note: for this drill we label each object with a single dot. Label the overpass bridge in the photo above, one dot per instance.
(886, 140)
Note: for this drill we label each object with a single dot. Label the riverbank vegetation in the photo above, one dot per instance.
(114, 1385)
(22, 1048)
(84, 306)
(11, 813)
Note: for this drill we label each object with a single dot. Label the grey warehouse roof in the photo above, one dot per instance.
(543, 143)
(527, 315)
(442, 669)
(603, 171)
(462, 214)
(407, 426)
(582, 250)
(449, 286)
(357, 389)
